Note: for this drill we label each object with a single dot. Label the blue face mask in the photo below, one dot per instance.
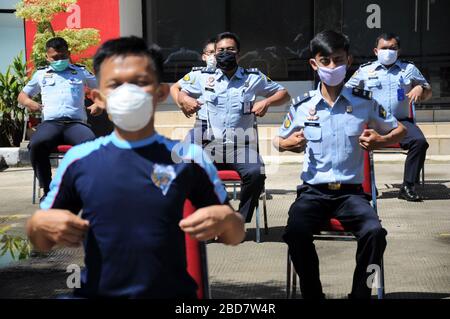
(59, 65)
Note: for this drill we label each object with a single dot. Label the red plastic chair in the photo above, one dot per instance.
(197, 265)
(57, 154)
(335, 231)
(230, 177)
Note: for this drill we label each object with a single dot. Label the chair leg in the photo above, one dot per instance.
(294, 282)
(288, 277)
(266, 226)
(234, 191)
(423, 175)
(258, 228)
(34, 188)
(380, 289)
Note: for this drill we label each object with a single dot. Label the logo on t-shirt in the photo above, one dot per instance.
(162, 177)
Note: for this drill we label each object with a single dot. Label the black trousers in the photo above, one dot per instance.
(248, 163)
(417, 146)
(48, 135)
(310, 211)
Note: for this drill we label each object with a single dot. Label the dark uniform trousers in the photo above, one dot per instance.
(311, 210)
(244, 159)
(48, 136)
(417, 146)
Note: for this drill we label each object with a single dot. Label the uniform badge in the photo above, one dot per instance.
(187, 78)
(349, 109)
(74, 72)
(312, 114)
(382, 112)
(246, 84)
(163, 176)
(210, 81)
(48, 75)
(288, 120)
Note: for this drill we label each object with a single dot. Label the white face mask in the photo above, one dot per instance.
(387, 57)
(129, 107)
(211, 61)
(332, 77)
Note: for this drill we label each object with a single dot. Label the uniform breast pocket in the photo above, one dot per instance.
(76, 86)
(210, 99)
(353, 130)
(313, 135)
(48, 82)
(247, 101)
(372, 84)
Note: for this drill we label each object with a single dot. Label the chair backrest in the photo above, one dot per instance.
(369, 178)
(197, 265)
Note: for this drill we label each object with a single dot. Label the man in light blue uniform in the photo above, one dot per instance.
(395, 84)
(228, 96)
(61, 86)
(194, 105)
(331, 122)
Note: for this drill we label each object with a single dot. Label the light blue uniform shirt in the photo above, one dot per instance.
(333, 153)
(385, 84)
(62, 92)
(228, 102)
(191, 78)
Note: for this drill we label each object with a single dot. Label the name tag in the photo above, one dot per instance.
(209, 89)
(312, 124)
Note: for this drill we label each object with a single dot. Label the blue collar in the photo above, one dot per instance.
(124, 144)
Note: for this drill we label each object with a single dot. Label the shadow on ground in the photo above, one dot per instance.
(274, 236)
(433, 190)
(239, 290)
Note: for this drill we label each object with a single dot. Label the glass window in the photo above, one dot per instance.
(11, 37)
(274, 35)
(181, 28)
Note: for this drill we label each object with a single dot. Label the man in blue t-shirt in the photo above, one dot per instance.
(131, 187)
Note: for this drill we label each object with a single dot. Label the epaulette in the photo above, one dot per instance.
(252, 71)
(208, 70)
(42, 67)
(197, 68)
(300, 99)
(364, 94)
(406, 61)
(366, 64)
(80, 65)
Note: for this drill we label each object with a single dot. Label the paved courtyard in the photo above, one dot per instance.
(417, 259)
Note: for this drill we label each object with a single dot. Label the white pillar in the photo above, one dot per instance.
(130, 17)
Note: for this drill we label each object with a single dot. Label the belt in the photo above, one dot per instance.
(337, 187)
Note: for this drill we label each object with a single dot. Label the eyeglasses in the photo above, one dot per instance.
(209, 52)
(232, 49)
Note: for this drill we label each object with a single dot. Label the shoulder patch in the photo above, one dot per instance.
(365, 94)
(42, 67)
(300, 99)
(252, 71)
(382, 112)
(80, 65)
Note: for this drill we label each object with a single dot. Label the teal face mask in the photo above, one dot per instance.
(59, 65)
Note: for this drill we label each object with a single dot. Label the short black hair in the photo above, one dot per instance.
(229, 35)
(329, 41)
(129, 46)
(57, 43)
(387, 37)
(209, 41)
